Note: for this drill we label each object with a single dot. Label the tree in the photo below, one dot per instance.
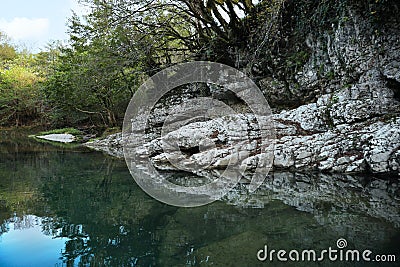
(95, 77)
(20, 92)
(7, 51)
(120, 42)
(170, 31)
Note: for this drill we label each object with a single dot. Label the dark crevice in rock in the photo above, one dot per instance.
(228, 97)
(393, 85)
(220, 144)
(189, 151)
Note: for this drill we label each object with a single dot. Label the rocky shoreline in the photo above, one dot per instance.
(347, 119)
(354, 130)
(371, 146)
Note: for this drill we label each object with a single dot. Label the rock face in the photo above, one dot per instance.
(348, 148)
(356, 51)
(342, 145)
(315, 136)
(350, 123)
(62, 138)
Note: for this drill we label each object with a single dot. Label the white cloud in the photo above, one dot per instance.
(25, 28)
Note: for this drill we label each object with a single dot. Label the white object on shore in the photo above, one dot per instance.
(63, 138)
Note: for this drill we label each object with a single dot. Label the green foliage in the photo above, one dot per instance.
(7, 51)
(20, 91)
(69, 130)
(91, 86)
(119, 43)
(111, 51)
(75, 132)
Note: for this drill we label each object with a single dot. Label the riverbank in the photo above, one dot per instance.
(365, 147)
(339, 112)
(353, 130)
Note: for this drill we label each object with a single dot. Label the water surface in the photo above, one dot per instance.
(74, 207)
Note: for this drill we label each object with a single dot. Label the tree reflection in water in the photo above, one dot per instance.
(92, 202)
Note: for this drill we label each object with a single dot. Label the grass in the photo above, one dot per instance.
(78, 135)
(70, 130)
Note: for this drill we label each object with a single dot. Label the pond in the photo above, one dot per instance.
(74, 207)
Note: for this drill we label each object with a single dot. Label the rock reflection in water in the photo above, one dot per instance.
(321, 193)
(91, 204)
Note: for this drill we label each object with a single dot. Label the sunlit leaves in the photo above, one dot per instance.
(20, 86)
(7, 50)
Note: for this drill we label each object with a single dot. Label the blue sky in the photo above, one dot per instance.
(33, 23)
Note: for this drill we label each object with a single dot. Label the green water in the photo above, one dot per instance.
(74, 207)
